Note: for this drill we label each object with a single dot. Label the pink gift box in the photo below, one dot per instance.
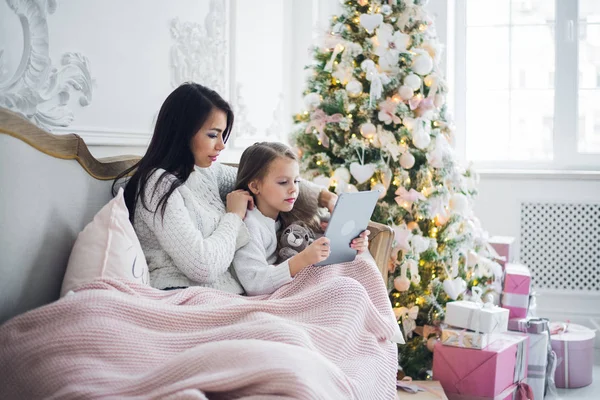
(486, 373)
(519, 391)
(517, 287)
(574, 347)
(505, 247)
(528, 325)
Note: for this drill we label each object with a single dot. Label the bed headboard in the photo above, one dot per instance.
(51, 187)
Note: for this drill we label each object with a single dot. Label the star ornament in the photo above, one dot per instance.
(402, 237)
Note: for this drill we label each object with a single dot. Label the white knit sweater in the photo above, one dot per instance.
(254, 262)
(194, 244)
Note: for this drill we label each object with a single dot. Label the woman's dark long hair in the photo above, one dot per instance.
(182, 114)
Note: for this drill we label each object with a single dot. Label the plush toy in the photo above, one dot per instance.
(294, 238)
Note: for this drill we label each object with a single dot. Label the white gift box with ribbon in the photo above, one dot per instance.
(478, 317)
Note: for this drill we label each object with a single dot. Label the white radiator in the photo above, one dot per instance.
(560, 243)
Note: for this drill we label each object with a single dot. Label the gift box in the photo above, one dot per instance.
(463, 338)
(504, 247)
(520, 391)
(497, 369)
(528, 325)
(421, 390)
(574, 347)
(516, 290)
(475, 316)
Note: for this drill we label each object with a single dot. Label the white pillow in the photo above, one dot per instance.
(106, 248)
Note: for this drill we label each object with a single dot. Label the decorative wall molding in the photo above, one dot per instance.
(38, 90)
(94, 136)
(200, 52)
(242, 128)
(275, 131)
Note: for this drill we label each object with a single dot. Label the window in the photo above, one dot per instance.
(530, 73)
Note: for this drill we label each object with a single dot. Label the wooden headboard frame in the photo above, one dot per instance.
(67, 147)
(56, 210)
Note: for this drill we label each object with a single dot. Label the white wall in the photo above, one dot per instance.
(129, 46)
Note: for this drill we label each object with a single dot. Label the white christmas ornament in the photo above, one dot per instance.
(371, 21)
(354, 88)
(312, 100)
(431, 79)
(340, 186)
(409, 123)
(422, 62)
(439, 100)
(386, 176)
(413, 267)
(368, 130)
(421, 138)
(406, 92)
(401, 283)
(322, 180)
(459, 203)
(351, 188)
(433, 48)
(407, 160)
(362, 173)
(342, 174)
(386, 9)
(380, 188)
(412, 81)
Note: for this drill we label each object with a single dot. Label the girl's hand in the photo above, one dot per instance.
(318, 251)
(239, 201)
(361, 243)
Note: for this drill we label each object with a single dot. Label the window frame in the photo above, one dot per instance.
(566, 95)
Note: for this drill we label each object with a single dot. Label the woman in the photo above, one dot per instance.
(175, 196)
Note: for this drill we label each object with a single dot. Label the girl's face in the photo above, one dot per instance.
(207, 143)
(278, 190)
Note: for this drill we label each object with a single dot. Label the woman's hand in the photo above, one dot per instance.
(327, 199)
(361, 243)
(318, 251)
(239, 201)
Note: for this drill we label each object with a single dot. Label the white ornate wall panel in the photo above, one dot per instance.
(31, 81)
(131, 54)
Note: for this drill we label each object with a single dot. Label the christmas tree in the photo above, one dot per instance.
(376, 119)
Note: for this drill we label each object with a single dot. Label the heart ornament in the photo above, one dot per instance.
(454, 287)
(371, 21)
(362, 173)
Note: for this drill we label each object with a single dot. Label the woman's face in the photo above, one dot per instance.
(208, 142)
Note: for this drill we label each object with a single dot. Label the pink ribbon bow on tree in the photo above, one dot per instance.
(408, 315)
(405, 198)
(387, 113)
(318, 120)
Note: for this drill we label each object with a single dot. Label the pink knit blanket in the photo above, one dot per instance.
(323, 336)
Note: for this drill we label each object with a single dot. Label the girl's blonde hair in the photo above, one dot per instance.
(254, 165)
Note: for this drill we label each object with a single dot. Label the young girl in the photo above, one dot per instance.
(270, 171)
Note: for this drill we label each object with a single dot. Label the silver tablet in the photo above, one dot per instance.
(350, 217)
